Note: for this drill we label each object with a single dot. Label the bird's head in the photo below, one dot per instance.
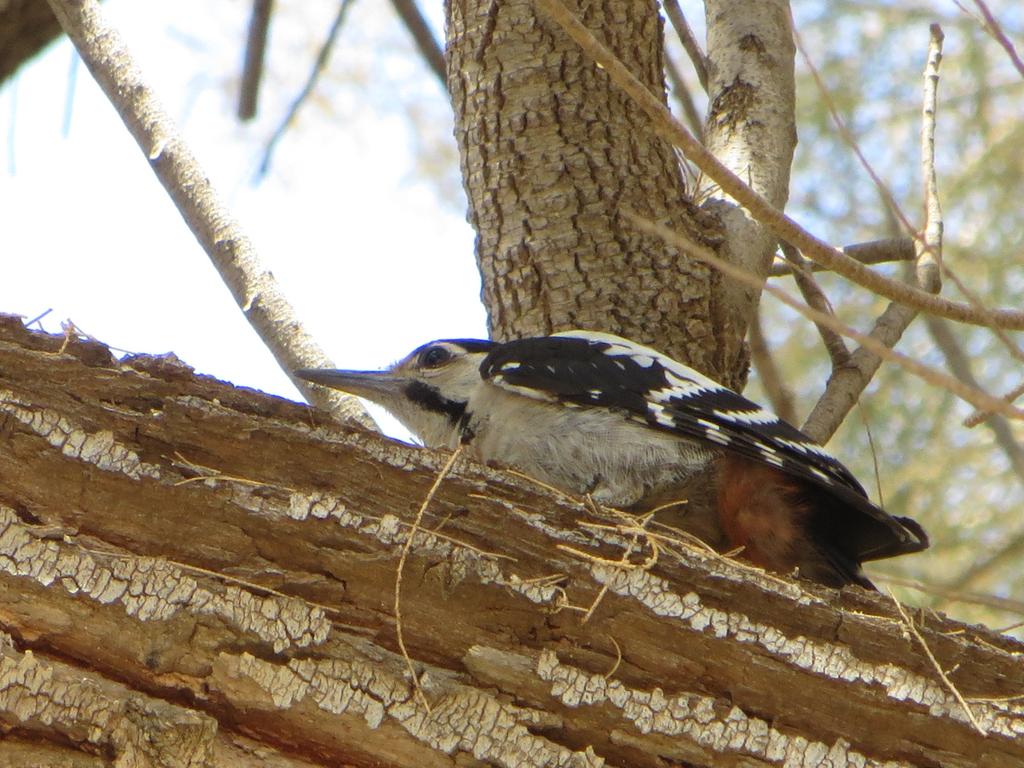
(427, 391)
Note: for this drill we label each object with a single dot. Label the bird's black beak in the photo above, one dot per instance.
(382, 387)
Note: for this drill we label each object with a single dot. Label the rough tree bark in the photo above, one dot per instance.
(195, 574)
(551, 151)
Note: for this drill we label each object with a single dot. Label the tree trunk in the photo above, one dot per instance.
(551, 153)
(193, 574)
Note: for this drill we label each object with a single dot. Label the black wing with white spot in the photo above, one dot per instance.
(581, 368)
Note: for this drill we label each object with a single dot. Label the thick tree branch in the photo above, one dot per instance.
(779, 223)
(232, 253)
(750, 128)
(549, 150)
(247, 569)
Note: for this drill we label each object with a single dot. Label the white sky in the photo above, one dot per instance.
(374, 263)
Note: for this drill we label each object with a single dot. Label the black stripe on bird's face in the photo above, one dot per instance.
(429, 398)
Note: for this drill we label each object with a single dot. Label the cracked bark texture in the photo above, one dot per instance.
(196, 574)
(551, 151)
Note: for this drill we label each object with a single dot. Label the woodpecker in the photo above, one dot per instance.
(592, 413)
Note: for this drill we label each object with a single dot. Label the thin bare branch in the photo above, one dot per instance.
(319, 65)
(684, 97)
(847, 382)
(929, 247)
(775, 220)
(960, 366)
(689, 40)
(826, 96)
(428, 46)
(252, 67)
(779, 395)
(230, 250)
(927, 373)
(1007, 556)
(980, 416)
(955, 596)
(815, 297)
(872, 252)
(994, 28)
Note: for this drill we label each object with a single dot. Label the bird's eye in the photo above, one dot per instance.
(434, 357)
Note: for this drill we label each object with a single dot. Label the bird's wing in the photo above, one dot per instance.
(585, 369)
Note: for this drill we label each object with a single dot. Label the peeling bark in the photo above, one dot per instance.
(196, 574)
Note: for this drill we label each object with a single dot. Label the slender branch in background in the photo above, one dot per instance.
(684, 97)
(779, 395)
(847, 382)
(72, 87)
(815, 297)
(872, 252)
(851, 142)
(995, 29)
(955, 596)
(255, 50)
(980, 416)
(428, 46)
(1012, 347)
(233, 255)
(926, 372)
(319, 65)
(781, 225)
(960, 366)
(1008, 555)
(689, 40)
(929, 266)
(929, 246)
